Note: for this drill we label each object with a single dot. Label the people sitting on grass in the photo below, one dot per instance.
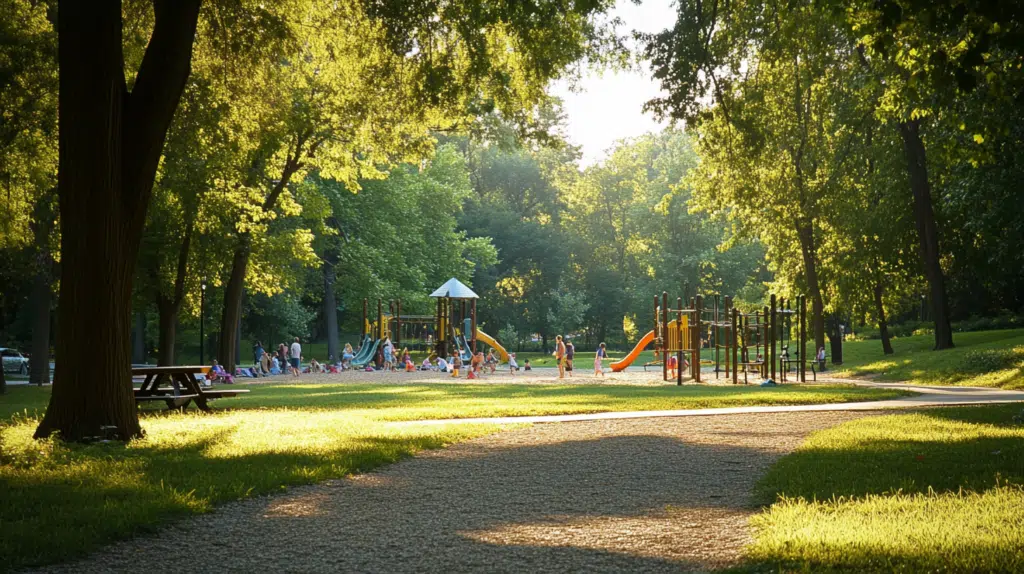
(512, 365)
(275, 365)
(407, 363)
(599, 356)
(346, 357)
(426, 365)
(315, 366)
(526, 365)
(218, 374)
(456, 365)
(265, 364)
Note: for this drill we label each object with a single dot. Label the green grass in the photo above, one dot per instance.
(58, 500)
(983, 359)
(940, 490)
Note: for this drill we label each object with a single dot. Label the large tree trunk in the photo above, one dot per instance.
(110, 144)
(232, 311)
(805, 233)
(927, 230)
(3, 382)
(42, 283)
(330, 312)
(835, 339)
(883, 325)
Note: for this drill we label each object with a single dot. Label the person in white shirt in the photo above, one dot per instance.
(295, 356)
(442, 365)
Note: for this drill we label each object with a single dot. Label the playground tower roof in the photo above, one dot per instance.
(454, 289)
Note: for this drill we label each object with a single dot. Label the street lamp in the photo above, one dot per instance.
(202, 321)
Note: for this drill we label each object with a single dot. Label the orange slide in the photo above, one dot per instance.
(628, 360)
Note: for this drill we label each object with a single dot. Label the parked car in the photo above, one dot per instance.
(14, 361)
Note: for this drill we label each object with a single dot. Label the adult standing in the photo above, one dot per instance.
(560, 356)
(282, 355)
(296, 357)
(570, 355)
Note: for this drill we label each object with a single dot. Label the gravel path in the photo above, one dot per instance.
(652, 495)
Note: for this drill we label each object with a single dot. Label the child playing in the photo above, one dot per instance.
(442, 365)
(476, 365)
(526, 365)
(598, 357)
(456, 365)
(512, 365)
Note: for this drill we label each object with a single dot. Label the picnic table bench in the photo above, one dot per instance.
(184, 387)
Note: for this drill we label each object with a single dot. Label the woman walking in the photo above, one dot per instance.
(598, 357)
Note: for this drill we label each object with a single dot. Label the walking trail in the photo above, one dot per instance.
(642, 493)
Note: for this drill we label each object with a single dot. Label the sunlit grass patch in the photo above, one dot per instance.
(933, 532)
(937, 490)
(983, 359)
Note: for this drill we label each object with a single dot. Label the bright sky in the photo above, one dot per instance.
(608, 107)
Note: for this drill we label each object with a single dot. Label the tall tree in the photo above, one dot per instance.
(110, 139)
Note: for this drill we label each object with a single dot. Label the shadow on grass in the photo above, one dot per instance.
(934, 490)
(877, 461)
(587, 505)
(83, 496)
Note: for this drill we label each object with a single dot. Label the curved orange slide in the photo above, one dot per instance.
(628, 360)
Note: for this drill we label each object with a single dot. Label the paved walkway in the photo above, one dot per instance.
(929, 396)
(641, 495)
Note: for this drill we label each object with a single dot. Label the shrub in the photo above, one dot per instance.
(986, 361)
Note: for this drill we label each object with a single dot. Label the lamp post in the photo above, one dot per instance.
(202, 318)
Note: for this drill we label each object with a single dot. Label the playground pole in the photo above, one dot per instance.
(728, 333)
(398, 323)
(380, 320)
(714, 333)
(679, 352)
(473, 315)
(698, 312)
(735, 343)
(803, 338)
(365, 314)
(664, 330)
(771, 333)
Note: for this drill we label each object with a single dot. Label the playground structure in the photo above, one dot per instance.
(442, 334)
(459, 333)
(742, 342)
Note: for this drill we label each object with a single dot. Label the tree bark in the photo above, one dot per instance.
(42, 283)
(883, 325)
(139, 339)
(167, 336)
(805, 233)
(110, 143)
(835, 339)
(232, 311)
(330, 312)
(3, 382)
(927, 230)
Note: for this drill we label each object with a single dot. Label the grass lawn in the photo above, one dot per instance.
(58, 501)
(940, 490)
(983, 359)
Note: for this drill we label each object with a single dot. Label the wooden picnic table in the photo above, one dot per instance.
(184, 387)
